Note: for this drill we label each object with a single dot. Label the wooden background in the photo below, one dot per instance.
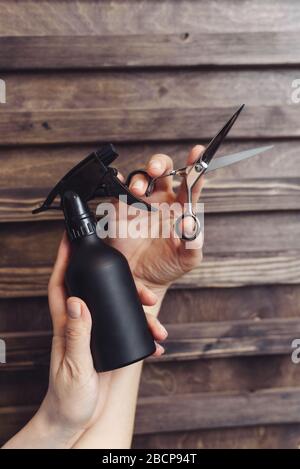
(160, 76)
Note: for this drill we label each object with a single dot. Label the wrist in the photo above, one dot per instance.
(55, 431)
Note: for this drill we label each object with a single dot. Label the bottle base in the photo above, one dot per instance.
(104, 369)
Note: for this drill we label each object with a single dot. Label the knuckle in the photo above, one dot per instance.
(76, 333)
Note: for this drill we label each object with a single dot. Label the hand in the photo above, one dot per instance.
(157, 262)
(76, 391)
(77, 395)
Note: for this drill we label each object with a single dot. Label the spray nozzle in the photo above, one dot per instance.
(91, 178)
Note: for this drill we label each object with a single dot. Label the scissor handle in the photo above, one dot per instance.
(146, 175)
(179, 228)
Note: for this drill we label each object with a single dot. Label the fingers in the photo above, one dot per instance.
(159, 333)
(61, 262)
(56, 289)
(138, 185)
(182, 193)
(147, 297)
(158, 165)
(78, 336)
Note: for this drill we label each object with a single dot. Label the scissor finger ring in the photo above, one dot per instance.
(179, 227)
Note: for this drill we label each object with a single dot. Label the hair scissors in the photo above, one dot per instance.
(192, 173)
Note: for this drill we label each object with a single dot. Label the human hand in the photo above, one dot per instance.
(156, 262)
(77, 394)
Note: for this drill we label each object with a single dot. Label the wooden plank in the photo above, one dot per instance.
(195, 411)
(28, 385)
(62, 17)
(111, 91)
(145, 106)
(185, 342)
(215, 272)
(247, 374)
(40, 167)
(149, 50)
(230, 338)
(80, 126)
(28, 173)
(238, 251)
(179, 306)
(217, 410)
(242, 195)
(256, 437)
(229, 235)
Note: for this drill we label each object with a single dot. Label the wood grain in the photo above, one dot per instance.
(27, 385)
(146, 106)
(259, 437)
(185, 341)
(62, 17)
(179, 306)
(109, 91)
(155, 86)
(149, 50)
(230, 338)
(28, 173)
(79, 126)
(239, 250)
(194, 411)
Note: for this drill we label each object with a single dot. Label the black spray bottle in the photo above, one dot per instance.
(97, 273)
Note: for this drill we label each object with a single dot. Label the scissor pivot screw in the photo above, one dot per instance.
(200, 166)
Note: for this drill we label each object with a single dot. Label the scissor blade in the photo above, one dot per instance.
(236, 157)
(215, 143)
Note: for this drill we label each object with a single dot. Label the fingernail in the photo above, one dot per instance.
(163, 329)
(160, 349)
(156, 164)
(74, 309)
(138, 185)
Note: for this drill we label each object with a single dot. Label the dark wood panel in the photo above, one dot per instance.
(214, 272)
(241, 195)
(145, 106)
(247, 374)
(210, 410)
(185, 342)
(31, 168)
(229, 235)
(152, 91)
(194, 411)
(63, 17)
(36, 127)
(179, 306)
(239, 250)
(230, 338)
(266, 182)
(260, 437)
(149, 50)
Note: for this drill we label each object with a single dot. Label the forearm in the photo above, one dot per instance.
(114, 426)
(42, 433)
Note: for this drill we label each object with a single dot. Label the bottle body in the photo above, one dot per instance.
(100, 276)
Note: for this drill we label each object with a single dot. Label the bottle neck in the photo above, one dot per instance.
(80, 222)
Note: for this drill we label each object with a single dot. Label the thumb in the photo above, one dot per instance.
(78, 336)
